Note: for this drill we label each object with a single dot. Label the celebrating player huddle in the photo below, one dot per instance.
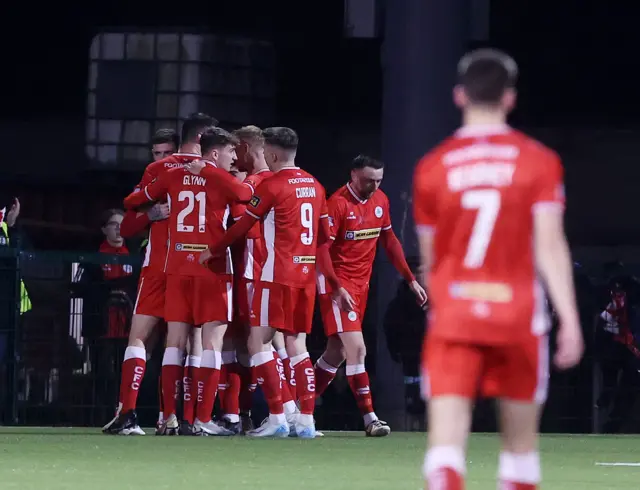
(488, 204)
(278, 230)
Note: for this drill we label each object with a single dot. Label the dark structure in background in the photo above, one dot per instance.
(385, 95)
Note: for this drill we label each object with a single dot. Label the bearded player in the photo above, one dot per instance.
(149, 307)
(359, 217)
(195, 295)
(488, 205)
(292, 206)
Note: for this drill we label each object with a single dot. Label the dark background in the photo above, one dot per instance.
(578, 70)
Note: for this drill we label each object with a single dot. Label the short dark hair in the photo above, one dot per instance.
(165, 135)
(194, 124)
(362, 161)
(249, 133)
(486, 74)
(285, 138)
(106, 215)
(215, 138)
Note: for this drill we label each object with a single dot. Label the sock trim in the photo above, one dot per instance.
(353, 369)
(439, 457)
(295, 360)
(133, 352)
(325, 366)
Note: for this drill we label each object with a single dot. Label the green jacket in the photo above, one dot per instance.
(25, 302)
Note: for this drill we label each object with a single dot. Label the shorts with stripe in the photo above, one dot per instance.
(284, 308)
(198, 299)
(515, 371)
(336, 320)
(150, 300)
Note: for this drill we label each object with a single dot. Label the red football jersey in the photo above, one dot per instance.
(356, 226)
(200, 208)
(478, 191)
(115, 271)
(290, 204)
(254, 249)
(155, 256)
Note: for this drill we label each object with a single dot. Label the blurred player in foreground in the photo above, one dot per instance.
(194, 295)
(292, 206)
(149, 307)
(489, 205)
(359, 217)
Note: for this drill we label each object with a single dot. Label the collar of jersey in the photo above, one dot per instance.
(209, 162)
(355, 196)
(289, 168)
(261, 170)
(482, 130)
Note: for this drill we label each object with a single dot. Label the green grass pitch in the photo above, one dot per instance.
(70, 459)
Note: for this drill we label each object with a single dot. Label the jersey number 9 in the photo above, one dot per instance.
(306, 219)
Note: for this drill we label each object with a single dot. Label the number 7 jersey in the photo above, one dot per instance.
(291, 204)
(478, 192)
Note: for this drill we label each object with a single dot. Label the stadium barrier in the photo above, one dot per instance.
(59, 365)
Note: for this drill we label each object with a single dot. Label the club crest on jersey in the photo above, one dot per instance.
(378, 212)
(352, 316)
(362, 234)
(254, 201)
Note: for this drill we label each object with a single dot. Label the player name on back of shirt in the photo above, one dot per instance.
(472, 171)
(194, 180)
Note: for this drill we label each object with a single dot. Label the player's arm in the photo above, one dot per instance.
(553, 261)
(228, 185)
(425, 213)
(150, 193)
(133, 223)
(395, 253)
(326, 237)
(258, 206)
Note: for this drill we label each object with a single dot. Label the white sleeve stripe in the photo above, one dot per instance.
(324, 216)
(332, 237)
(251, 214)
(146, 193)
(250, 187)
(238, 218)
(425, 229)
(387, 228)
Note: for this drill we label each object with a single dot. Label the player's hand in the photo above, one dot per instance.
(205, 257)
(421, 294)
(13, 213)
(195, 166)
(158, 212)
(570, 346)
(344, 299)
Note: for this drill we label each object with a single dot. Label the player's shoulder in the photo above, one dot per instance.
(379, 197)
(534, 152)
(256, 179)
(339, 199)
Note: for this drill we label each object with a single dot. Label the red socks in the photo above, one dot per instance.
(133, 367)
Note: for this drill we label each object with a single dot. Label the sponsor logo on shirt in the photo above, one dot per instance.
(190, 247)
(254, 201)
(494, 292)
(363, 234)
(304, 259)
